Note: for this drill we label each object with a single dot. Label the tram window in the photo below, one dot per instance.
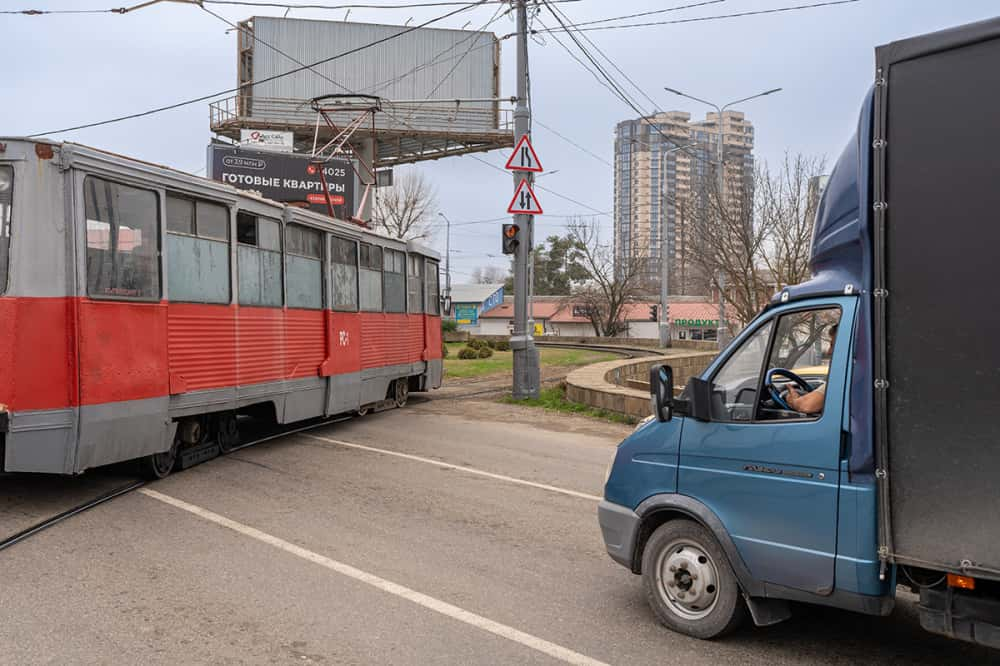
(344, 273)
(304, 267)
(371, 278)
(258, 260)
(197, 251)
(432, 281)
(123, 240)
(415, 283)
(6, 201)
(394, 280)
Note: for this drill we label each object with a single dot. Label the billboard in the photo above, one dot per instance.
(426, 63)
(284, 177)
(270, 140)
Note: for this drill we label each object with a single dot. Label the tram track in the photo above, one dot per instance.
(133, 485)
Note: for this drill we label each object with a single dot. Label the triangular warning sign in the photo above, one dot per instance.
(523, 158)
(524, 201)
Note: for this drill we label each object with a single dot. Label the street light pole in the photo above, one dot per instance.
(722, 332)
(447, 256)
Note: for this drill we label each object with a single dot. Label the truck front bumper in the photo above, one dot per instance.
(961, 615)
(619, 525)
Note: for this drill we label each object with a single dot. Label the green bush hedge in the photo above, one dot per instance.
(476, 343)
(466, 353)
(485, 352)
(501, 345)
(449, 325)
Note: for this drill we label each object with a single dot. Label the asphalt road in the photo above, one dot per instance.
(478, 545)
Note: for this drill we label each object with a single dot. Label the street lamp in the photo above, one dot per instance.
(447, 257)
(722, 333)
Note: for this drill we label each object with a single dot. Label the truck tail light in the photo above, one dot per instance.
(963, 582)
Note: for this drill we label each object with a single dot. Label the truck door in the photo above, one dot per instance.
(770, 473)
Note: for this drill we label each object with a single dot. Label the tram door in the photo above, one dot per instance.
(122, 326)
(343, 365)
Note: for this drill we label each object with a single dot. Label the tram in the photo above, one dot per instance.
(143, 310)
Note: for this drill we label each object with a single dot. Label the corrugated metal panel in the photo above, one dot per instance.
(413, 66)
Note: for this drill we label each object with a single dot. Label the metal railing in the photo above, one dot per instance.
(444, 116)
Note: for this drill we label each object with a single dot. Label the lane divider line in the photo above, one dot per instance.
(444, 608)
(461, 468)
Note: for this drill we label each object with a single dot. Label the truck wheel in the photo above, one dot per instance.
(689, 582)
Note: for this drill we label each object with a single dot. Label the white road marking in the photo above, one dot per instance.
(428, 602)
(461, 468)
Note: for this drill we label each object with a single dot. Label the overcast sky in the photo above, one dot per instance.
(60, 71)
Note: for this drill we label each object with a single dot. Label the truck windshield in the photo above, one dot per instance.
(6, 204)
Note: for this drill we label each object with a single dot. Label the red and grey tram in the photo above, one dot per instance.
(144, 309)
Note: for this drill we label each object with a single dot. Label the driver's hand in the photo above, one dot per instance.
(792, 398)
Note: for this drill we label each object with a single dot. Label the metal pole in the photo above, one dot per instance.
(447, 255)
(522, 343)
(664, 260)
(722, 331)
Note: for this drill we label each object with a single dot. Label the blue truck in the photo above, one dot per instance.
(847, 441)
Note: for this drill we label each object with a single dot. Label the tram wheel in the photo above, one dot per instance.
(401, 392)
(159, 465)
(228, 432)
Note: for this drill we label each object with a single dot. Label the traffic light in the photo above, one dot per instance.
(510, 238)
(654, 312)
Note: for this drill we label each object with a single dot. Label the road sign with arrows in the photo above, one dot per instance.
(524, 201)
(523, 158)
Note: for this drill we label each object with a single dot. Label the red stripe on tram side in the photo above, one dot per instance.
(201, 346)
(123, 351)
(432, 326)
(38, 361)
(305, 343)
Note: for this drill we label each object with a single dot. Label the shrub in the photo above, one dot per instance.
(476, 343)
(502, 345)
(485, 352)
(444, 350)
(466, 353)
(449, 325)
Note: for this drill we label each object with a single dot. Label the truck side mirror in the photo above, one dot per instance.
(699, 398)
(661, 392)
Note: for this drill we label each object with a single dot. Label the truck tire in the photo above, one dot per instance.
(689, 582)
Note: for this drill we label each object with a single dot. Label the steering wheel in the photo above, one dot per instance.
(776, 395)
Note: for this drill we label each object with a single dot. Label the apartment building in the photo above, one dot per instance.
(664, 167)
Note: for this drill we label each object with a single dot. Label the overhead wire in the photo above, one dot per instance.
(572, 143)
(228, 91)
(774, 10)
(655, 11)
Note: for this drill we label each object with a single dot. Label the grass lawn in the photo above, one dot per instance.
(554, 399)
(501, 362)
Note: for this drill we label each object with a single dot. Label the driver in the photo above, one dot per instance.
(812, 402)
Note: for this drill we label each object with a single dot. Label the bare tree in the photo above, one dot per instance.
(756, 233)
(406, 209)
(609, 285)
(489, 275)
(787, 206)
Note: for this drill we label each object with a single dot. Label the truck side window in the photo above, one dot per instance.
(803, 344)
(735, 385)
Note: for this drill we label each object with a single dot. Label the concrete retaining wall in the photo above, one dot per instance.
(699, 345)
(611, 385)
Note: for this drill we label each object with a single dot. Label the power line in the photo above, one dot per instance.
(540, 187)
(775, 10)
(572, 143)
(285, 5)
(655, 11)
(229, 91)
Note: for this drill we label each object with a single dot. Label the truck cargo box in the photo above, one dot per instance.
(936, 195)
